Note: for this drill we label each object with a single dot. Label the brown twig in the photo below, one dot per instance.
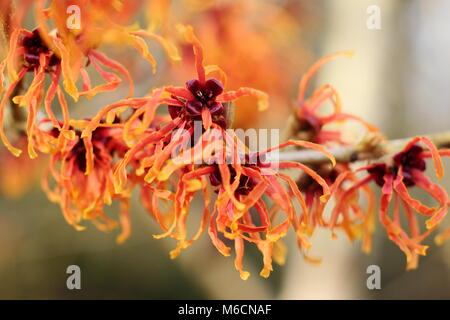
(371, 148)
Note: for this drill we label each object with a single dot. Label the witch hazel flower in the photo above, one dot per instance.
(62, 55)
(250, 197)
(81, 196)
(395, 177)
(311, 122)
(203, 98)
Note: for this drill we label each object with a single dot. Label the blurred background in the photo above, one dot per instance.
(397, 80)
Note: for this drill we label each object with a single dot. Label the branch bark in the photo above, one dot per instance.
(369, 149)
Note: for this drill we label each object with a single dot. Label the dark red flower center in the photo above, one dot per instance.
(312, 187)
(204, 97)
(246, 184)
(34, 46)
(308, 129)
(253, 160)
(409, 160)
(104, 147)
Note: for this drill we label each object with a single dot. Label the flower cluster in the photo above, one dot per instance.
(174, 146)
(394, 175)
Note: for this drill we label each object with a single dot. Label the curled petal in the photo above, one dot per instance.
(190, 37)
(69, 79)
(206, 118)
(261, 96)
(402, 191)
(124, 216)
(437, 192)
(11, 58)
(5, 99)
(439, 168)
(442, 237)
(316, 177)
(266, 249)
(312, 71)
(212, 231)
(170, 48)
(239, 248)
(51, 91)
(96, 120)
(304, 144)
(141, 46)
(180, 92)
(222, 75)
(345, 116)
(114, 65)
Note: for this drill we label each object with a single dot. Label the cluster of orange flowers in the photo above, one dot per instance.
(130, 144)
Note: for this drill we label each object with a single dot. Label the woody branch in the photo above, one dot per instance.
(371, 148)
